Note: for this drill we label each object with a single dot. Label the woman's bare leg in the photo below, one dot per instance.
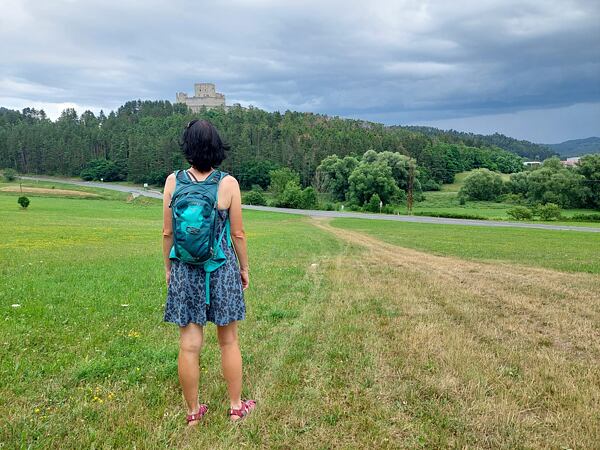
(231, 362)
(190, 344)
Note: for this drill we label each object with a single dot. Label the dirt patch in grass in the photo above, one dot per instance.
(44, 191)
(471, 354)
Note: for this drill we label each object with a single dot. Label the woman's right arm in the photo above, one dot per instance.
(167, 224)
(238, 236)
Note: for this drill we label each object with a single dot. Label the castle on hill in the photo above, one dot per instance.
(205, 96)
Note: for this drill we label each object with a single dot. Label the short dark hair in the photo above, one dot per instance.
(202, 146)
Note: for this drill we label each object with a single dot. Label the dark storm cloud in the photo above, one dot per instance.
(396, 61)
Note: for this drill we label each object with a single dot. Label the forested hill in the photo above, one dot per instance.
(139, 142)
(526, 149)
(577, 147)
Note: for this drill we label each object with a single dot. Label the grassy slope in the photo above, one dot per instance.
(562, 250)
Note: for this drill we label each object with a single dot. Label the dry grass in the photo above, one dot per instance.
(45, 191)
(475, 354)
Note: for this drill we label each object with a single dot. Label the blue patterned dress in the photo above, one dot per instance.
(186, 292)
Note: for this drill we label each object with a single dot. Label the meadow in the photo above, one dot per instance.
(351, 340)
(447, 202)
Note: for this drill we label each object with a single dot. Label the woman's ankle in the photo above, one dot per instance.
(195, 409)
(235, 404)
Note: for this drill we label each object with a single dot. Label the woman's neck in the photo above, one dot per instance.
(201, 174)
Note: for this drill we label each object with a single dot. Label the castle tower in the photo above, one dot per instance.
(205, 95)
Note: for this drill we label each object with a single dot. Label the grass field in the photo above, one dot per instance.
(561, 250)
(349, 341)
(102, 194)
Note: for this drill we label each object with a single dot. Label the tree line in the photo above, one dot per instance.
(526, 149)
(139, 142)
(550, 183)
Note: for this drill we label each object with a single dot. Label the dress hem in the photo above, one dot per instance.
(205, 322)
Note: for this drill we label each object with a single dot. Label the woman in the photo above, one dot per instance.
(204, 150)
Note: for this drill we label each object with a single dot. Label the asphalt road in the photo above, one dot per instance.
(317, 213)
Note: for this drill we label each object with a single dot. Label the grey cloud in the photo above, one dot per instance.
(404, 61)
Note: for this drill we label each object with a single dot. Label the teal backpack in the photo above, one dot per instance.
(194, 210)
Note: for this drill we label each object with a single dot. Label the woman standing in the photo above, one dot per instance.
(185, 304)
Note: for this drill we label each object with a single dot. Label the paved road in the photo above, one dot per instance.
(315, 213)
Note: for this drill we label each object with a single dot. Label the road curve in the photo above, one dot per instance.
(319, 213)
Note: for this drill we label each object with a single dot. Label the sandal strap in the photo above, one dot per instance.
(247, 405)
(197, 416)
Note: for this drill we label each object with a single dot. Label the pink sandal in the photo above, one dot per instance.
(247, 406)
(197, 416)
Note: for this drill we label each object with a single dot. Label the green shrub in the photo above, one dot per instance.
(281, 178)
(450, 215)
(431, 185)
(482, 184)
(585, 217)
(549, 211)
(520, 213)
(373, 203)
(255, 197)
(109, 170)
(23, 201)
(309, 199)
(9, 174)
(290, 197)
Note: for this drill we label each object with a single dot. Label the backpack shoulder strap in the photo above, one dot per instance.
(182, 177)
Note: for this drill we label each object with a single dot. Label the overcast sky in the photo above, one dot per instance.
(529, 69)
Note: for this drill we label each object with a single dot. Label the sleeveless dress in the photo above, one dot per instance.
(186, 293)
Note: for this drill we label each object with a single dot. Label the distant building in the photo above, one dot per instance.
(570, 162)
(531, 163)
(205, 96)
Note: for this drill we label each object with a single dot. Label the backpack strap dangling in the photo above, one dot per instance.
(224, 232)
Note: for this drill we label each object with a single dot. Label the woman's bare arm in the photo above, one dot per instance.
(238, 236)
(168, 224)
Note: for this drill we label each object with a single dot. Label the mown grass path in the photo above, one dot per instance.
(479, 354)
(349, 342)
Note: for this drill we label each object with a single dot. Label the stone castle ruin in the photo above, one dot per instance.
(205, 96)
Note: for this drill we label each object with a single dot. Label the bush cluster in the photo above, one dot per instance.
(9, 174)
(549, 211)
(107, 170)
(255, 197)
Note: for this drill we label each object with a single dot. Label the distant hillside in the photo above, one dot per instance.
(525, 149)
(577, 147)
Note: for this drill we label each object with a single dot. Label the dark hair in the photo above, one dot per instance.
(202, 146)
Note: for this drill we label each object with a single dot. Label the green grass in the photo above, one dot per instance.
(78, 369)
(561, 250)
(341, 350)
